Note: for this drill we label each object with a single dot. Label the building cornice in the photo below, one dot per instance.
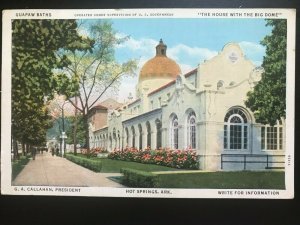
(150, 113)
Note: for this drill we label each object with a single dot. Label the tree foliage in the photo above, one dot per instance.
(92, 73)
(34, 43)
(69, 121)
(80, 134)
(268, 99)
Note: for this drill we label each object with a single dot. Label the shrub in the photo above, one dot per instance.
(18, 165)
(91, 164)
(181, 159)
(137, 178)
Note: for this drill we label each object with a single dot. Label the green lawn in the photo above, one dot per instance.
(219, 180)
(191, 179)
(114, 166)
(18, 166)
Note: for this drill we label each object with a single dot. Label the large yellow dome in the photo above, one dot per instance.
(160, 66)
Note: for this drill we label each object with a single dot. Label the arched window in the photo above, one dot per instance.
(103, 140)
(106, 140)
(235, 130)
(140, 136)
(158, 134)
(191, 130)
(148, 134)
(133, 136)
(114, 138)
(127, 136)
(119, 140)
(174, 132)
(110, 142)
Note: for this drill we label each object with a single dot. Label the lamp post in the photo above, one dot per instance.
(53, 146)
(63, 135)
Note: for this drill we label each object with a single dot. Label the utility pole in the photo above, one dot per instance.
(63, 133)
(75, 129)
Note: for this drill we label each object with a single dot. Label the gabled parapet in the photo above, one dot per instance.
(227, 69)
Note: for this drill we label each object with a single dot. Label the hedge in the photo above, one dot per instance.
(18, 165)
(137, 178)
(91, 164)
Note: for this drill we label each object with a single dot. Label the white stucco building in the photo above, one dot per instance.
(202, 110)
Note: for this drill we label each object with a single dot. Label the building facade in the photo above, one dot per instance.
(202, 110)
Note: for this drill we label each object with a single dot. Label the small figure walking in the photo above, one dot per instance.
(33, 152)
(57, 150)
(52, 150)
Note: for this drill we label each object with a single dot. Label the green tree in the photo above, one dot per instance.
(34, 43)
(92, 73)
(268, 99)
(56, 129)
(80, 134)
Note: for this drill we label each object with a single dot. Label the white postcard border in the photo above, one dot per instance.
(7, 188)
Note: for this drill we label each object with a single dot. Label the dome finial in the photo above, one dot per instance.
(161, 48)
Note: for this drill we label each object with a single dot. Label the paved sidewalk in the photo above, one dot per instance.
(48, 170)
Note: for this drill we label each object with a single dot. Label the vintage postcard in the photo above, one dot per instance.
(158, 103)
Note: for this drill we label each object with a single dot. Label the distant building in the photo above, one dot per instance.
(98, 115)
(202, 110)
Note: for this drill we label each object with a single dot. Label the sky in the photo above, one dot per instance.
(189, 41)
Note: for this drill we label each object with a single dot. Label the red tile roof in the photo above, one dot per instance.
(190, 73)
(159, 66)
(94, 108)
(111, 103)
(99, 107)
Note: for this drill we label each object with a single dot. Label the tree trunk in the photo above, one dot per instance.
(27, 148)
(15, 149)
(74, 135)
(87, 136)
(23, 148)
